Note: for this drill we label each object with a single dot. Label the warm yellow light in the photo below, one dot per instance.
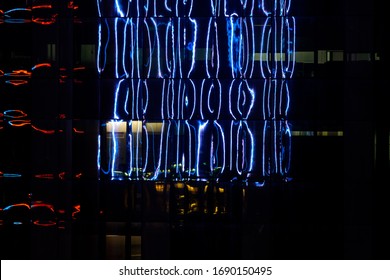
(159, 187)
(116, 126)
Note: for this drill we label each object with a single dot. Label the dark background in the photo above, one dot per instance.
(335, 207)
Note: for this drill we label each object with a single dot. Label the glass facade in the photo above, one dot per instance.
(195, 95)
(162, 129)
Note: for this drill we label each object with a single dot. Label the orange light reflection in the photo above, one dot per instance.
(42, 7)
(17, 205)
(19, 73)
(76, 211)
(40, 65)
(44, 21)
(71, 5)
(16, 82)
(19, 123)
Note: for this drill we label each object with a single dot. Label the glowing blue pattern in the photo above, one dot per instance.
(195, 97)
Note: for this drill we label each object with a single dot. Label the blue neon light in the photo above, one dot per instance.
(217, 88)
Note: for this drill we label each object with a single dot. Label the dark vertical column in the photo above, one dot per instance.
(65, 65)
(358, 133)
(382, 133)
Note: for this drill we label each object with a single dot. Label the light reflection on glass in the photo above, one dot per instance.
(196, 98)
(38, 12)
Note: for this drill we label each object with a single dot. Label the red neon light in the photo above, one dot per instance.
(44, 176)
(44, 224)
(78, 131)
(43, 130)
(41, 204)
